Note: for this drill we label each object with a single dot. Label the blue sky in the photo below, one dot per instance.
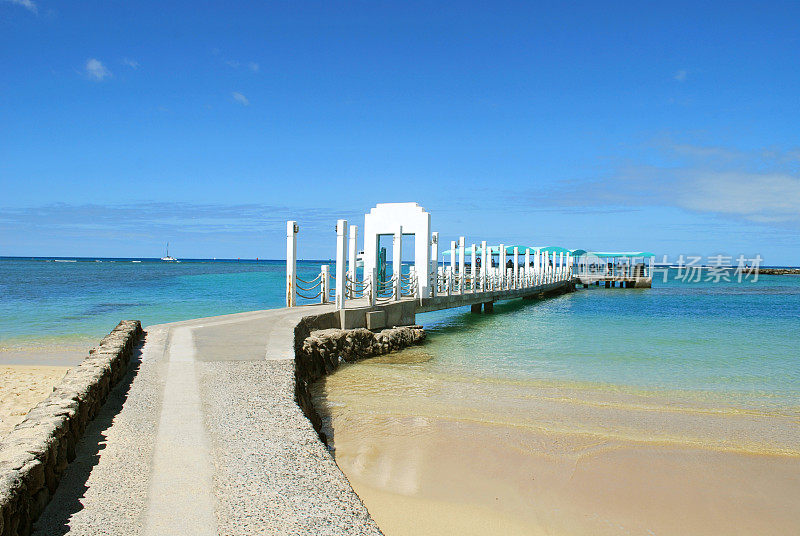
(668, 128)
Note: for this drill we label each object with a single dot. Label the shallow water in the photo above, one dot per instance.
(673, 410)
(47, 306)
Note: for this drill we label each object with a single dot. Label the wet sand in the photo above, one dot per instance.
(21, 388)
(447, 455)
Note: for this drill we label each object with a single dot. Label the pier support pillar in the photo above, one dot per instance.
(434, 268)
(352, 255)
(608, 284)
(484, 265)
(488, 307)
(341, 262)
(462, 244)
(397, 261)
(291, 263)
(475, 308)
(586, 285)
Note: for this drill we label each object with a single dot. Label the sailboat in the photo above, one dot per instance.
(167, 258)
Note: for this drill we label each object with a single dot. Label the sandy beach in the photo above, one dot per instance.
(459, 456)
(22, 387)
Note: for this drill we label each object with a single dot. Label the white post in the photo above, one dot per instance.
(325, 284)
(484, 266)
(568, 272)
(462, 243)
(502, 265)
(452, 260)
(516, 267)
(527, 267)
(472, 268)
(341, 262)
(352, 255)
(291, 263)
(555, 260)
(537, 266)
(435, 263)
(397, 260)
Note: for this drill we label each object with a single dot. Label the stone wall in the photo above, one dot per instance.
(36, 452)
(319, 352)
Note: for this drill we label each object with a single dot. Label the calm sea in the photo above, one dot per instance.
(716, 337)
(49, 303)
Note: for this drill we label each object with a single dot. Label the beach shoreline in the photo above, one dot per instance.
(519, 457)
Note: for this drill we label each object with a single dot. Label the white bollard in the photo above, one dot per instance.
(453, 247)
(352, 256)
(341, 263)
(434, 263)
(516, 267)
(291, 262)
(461, 264)
(472, 272)
(397, 261)
(527, 272)
(484, 265)
(502, 266)
(325, 284)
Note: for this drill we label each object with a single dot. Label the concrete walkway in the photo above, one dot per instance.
(204, 437)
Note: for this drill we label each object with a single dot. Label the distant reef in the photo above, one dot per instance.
(779, 271)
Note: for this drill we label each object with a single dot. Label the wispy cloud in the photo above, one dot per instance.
(756, 186)
(192, 223)
(96, 70)
(133, 64)
(251, 66)
(30, 5)
(241, 99)
(681, 75)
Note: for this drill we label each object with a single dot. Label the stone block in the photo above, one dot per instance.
(376, 320)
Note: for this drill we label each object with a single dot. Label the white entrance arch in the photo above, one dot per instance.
(408, 219)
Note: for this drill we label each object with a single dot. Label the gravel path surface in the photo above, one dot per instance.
(273, 475)
(270, 474)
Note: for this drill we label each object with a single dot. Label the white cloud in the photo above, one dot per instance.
(254, 66)
(30, 5)
(681, 75)
(756, 196)
(241, 99)
(95, 69)
(133, 64)
(232, 63)
(757, 186)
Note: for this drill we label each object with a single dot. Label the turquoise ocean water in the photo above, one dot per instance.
(52, 303)
(740, 339)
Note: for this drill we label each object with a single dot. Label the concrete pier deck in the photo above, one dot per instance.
(204, 437)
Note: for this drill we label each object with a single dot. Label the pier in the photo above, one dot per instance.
(476, 276)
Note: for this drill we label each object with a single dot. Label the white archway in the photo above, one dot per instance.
(409, 219)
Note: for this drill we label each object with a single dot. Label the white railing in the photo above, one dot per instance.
(457, 278)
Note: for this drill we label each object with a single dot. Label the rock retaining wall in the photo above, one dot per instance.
(36, 452)
(319, 352)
